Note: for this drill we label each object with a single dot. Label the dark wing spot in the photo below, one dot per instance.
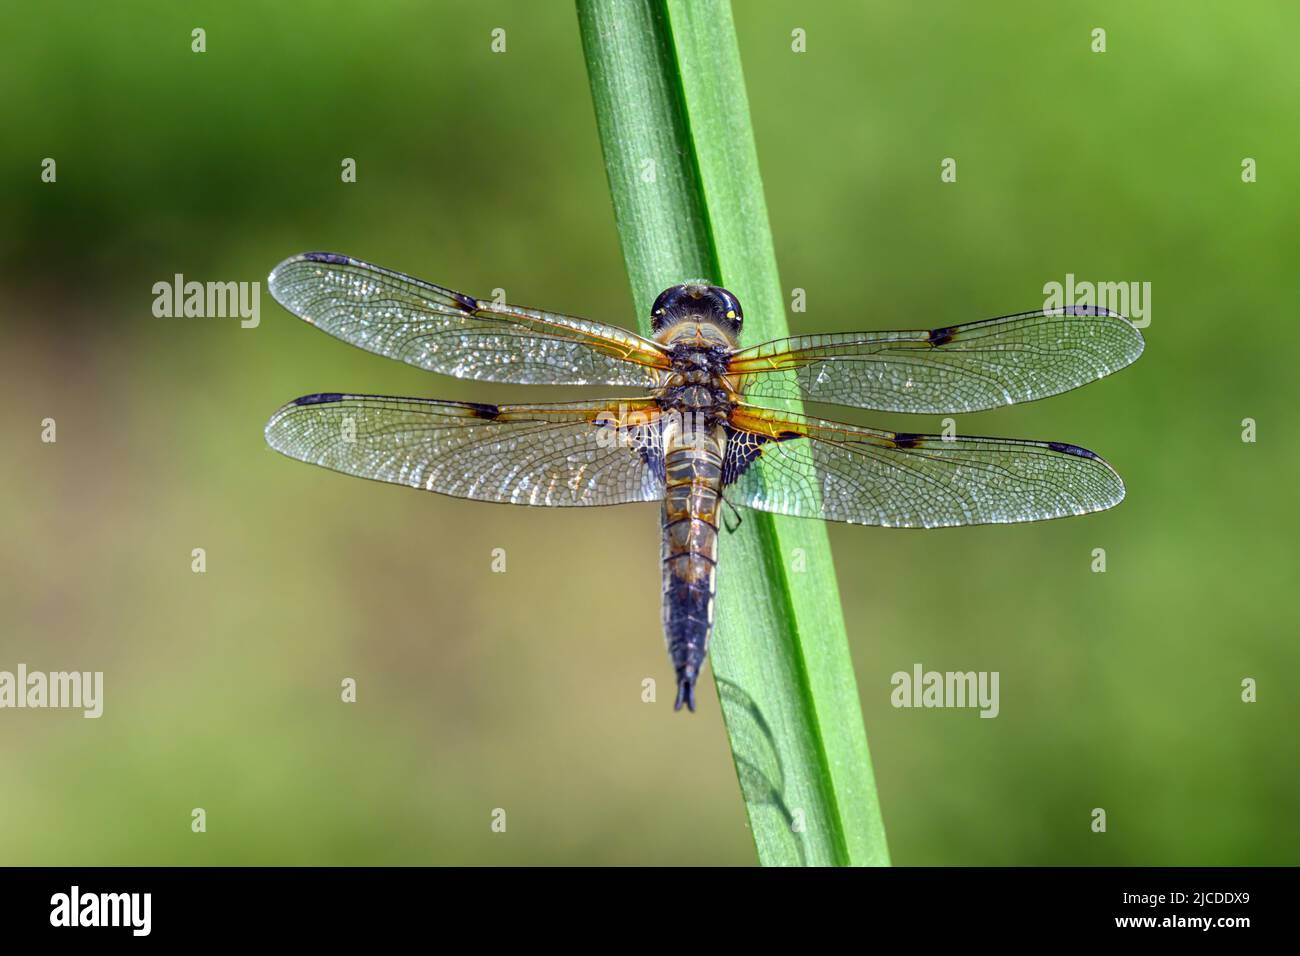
(319, 399)
(464, 301)
(940, 336)
(483, 411)
(787, 436)
(742, 448)
(333, 258)
(1069, 449)
(653, 457)
(907, 440)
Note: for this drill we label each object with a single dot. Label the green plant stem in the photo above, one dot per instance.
(679, 151)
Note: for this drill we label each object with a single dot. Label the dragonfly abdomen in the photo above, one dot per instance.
(693, 480)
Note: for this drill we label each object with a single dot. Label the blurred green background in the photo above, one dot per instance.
(521, 690)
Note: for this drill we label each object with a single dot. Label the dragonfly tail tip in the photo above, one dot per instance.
(685, 691)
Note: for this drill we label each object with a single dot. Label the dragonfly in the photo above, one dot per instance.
(693, 439)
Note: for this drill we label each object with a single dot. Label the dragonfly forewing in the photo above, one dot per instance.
(452, 333)
(961, 368)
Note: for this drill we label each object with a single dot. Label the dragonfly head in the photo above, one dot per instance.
(697, 303)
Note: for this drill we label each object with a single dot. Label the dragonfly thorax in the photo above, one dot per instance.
(697, 382)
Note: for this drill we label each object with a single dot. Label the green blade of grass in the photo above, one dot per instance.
(679, 151)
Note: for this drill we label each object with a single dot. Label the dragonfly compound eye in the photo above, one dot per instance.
(728, 307)
(696, 298)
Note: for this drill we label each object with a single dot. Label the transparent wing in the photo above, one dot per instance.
(806, 467)
(600, 453)
(963, 368)
(455, 334)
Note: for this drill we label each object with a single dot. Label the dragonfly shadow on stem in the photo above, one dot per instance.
(758, 762)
